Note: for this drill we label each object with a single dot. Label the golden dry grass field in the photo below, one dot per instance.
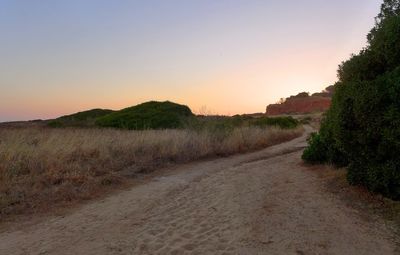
(42, 167)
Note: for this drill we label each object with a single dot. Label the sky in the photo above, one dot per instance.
(216, 56)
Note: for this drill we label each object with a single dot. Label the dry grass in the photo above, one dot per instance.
(358, 197)
(42, 167)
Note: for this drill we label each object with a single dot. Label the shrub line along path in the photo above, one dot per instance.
(265, 202)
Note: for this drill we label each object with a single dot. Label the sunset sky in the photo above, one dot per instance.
(216, 56)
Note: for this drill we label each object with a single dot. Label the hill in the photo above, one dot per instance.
(150, 115)
(302, 103)
(300, 106)
(80, 119)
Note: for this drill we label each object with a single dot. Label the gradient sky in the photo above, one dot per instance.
(217, 56)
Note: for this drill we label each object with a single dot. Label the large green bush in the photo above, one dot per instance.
(150, 115)
(362, 128)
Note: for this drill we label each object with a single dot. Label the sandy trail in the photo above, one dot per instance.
(265, 202)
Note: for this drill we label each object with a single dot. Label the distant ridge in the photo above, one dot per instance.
(303, 103)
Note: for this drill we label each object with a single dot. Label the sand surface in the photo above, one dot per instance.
(265, 202)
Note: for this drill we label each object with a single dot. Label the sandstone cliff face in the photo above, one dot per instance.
(300, 106)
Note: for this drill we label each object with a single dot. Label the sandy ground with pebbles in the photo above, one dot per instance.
(265, 202)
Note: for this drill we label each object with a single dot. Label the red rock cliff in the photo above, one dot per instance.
(300, 106)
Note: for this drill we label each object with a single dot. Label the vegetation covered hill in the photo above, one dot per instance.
(361, 129)
(150, 115)
(166, 115)
(80, 119)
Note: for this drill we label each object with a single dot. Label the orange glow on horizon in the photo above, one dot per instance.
(234, 59)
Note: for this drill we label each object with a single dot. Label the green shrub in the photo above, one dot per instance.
(80, 119)
(361, 129)
(55, 124)
(282, 122)
(150, 115)
(316, 151)
(306, 120)
(86, 115)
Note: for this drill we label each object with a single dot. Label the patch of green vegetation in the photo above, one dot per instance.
(361, 129)
(55, 124)
(305, 120)
(150, 115)
(282, 122)
(86, 115)
(226, 123)
(217, 122)
(80, 119)
(166, 115)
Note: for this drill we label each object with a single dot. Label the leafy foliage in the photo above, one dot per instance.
(282, 122)
(80, 119)
(150, 115)
(226, 124)
(361, 129)
(316, 151)
(300, 95)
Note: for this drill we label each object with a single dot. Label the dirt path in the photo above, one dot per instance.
(260, 203)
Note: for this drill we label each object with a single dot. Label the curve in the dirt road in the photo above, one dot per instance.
(265, 202)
